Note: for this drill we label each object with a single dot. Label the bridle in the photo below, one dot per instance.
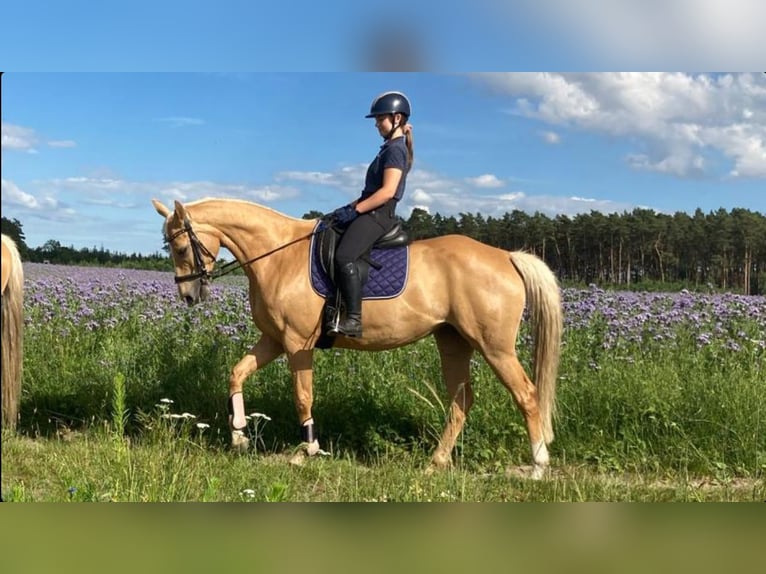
(198, 250)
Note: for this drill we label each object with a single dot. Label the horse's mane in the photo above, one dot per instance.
(230, 200)
(244, 202)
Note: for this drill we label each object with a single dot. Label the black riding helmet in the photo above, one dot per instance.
(389, 103)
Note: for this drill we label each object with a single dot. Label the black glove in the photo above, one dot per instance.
(344, 215)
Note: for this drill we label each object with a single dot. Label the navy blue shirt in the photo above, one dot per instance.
(393, 153)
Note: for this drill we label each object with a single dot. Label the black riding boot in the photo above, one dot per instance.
(350, 284)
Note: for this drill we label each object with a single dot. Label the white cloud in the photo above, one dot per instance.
(748, 147)
(419, 196)
(11, 194)
(435, 193)
(25, 139)
(50, 198)
(17, 138)
(550, 137)
(43, 205)
(680, 117)
(316, 177)
(62, 143)
(679, 164)
(345, 179)
(99, 199)
(487, 180)
(450, 198)
(124, 193)
(181, 121)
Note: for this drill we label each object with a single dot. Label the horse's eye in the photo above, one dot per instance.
(181, 251)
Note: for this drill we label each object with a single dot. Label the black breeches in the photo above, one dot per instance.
(363, 232)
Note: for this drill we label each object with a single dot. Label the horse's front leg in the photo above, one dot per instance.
(301, 365)
(260, 355)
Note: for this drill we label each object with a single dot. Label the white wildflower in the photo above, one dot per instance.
(203, 426)
(260, 416)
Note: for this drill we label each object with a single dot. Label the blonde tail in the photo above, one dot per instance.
(12, 333)
(546, 314)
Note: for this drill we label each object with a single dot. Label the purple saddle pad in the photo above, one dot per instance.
(385, 283)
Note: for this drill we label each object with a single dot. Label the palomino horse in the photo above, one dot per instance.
(12, 331)
(470, 296)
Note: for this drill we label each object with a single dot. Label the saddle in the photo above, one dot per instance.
(328, 239)
(383, 270)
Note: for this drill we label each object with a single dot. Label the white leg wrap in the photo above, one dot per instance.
(540, 454)
(541, 458)
(307, 432)
(237, 414)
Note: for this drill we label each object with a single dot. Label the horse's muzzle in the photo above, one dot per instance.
(193, 293)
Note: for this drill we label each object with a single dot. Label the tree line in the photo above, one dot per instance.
(725, 250)
(722, 250)
(52, 251)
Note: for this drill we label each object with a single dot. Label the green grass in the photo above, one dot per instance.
(646, 423)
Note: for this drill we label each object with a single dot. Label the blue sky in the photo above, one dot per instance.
(84, 153)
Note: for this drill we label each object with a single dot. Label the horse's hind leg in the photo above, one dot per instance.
(455, 354)
(260, 355)
(509, 370)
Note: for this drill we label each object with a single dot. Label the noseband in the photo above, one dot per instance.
(198, 250)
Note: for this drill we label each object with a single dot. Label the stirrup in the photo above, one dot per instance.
(331, 319)
(331, 315)
(349, 327)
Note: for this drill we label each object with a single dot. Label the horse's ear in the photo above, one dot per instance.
(161, 209)
(181, 212)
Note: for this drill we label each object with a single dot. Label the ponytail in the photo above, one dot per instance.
(409, 140)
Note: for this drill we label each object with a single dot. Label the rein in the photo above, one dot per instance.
(199, 249)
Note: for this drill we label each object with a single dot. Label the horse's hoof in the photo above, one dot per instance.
(538, 472)
(298, 458)
(534, 472)
(305, 450)
(435, 468)
(439, 463)
(239, 442)
(311, 448)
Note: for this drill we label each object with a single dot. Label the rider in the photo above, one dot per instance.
(372, 215)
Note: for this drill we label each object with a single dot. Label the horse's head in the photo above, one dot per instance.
(194, 249)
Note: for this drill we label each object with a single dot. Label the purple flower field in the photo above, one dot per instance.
(102, 298)
(630, 317)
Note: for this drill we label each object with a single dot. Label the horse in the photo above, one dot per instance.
(12, 331)
(468, 295)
